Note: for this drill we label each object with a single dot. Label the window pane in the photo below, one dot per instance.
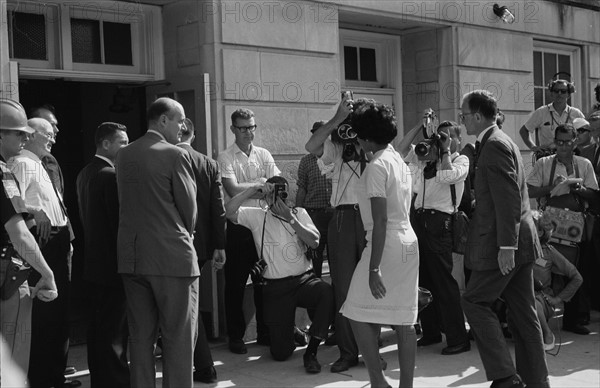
(564, 65)
(28, 36)
(351, 62)
(537, 69)
(538, 97)
(549, 67)
(368, 68)
(117, 44)
(85, 37)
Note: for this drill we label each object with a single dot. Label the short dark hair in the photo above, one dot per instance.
(566, 128)
(450, 125)
(277, 179)
(482, 101)
(374, 121)
(107, 131)
(242, 113)
(317, 125)
(162, 106)
(35, 111)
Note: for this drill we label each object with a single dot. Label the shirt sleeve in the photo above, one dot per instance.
(536, 178)
(11, 202)
(269, 165)
(589, 177)
(535, 120)
(249, 217)
(411, 157)
(375, 179)
(303, 173)
(226, 165)
(331, 152)
(458, 173)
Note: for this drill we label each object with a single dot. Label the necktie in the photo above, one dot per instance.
(477, 149)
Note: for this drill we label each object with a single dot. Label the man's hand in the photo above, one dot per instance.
(43, 225)
(344, 109)
(506, 260)
(280, 209)
(376, 285)
(218, 259)
(45, 289)
(445, 141)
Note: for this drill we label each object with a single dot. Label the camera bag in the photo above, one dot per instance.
(460, 226)
(14, 271)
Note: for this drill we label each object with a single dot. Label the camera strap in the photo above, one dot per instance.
(262, 239)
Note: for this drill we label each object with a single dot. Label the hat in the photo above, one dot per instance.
(580, 123)
(13, 117)
(317, 125)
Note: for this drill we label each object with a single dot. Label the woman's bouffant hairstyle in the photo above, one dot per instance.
(374, 122)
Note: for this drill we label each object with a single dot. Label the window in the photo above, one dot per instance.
(101, 42)
(548, 60)
(27, 36)
(360, 63)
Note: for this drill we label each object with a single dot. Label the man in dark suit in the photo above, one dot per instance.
(209, 236)
(501, 250)
(157, 259)
(99, 212)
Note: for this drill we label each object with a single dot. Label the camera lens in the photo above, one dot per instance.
(283, 194)
(422, 149)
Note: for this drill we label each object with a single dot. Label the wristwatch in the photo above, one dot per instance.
(292, 221)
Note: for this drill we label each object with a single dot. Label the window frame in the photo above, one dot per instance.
(362, 39)
(574, 53)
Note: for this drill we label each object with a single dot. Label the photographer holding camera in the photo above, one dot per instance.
(282, 236)
(346, 234)
(439, 173)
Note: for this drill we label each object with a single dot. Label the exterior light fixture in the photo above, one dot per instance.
(504, 14)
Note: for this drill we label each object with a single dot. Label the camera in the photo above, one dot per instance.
(429, 149)
(258, 270)
(279, 192)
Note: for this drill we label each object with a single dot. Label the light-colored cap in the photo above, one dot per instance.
(580, 123)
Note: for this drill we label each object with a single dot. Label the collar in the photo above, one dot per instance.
(157, 133)
(482, 134)
(552, 109)
(29, 155)
(237, 149)
(107, 160)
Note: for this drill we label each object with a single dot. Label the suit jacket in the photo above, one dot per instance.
(210, 228)
(157, 216)
(99, 212)
(502, 215)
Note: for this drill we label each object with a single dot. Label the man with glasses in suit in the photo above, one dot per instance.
(243, 165)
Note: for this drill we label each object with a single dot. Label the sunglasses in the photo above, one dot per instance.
(250, 128)
(582, 130)
(564, 142)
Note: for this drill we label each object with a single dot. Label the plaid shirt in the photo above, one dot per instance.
(317, 187)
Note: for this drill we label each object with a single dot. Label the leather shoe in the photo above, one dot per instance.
(577, 329)
(426, 341)
(513, 381)
(456, 349)
(69, 370)
(71, 383)
(238, 347)
(311, 364)
(206, 375)
(342, 365)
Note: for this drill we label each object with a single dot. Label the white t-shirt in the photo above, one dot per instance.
(283, 251)
(345, 177)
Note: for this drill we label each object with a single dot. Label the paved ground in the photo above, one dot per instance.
(577, 364)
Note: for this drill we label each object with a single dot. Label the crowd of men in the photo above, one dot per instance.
(156, 210)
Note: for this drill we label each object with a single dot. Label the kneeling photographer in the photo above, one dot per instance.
(439, 173)
(282, 235)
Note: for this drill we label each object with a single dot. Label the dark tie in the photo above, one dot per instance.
(477, 149)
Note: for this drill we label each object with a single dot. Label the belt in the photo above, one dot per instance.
(319, 209)
(352, 206)
(58, 228)
(288, 277)
(430, 211)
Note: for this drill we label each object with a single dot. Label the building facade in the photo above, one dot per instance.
(288, 61)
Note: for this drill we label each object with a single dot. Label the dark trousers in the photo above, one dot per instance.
(578, 307)
(591, 265)
(50, 320)
(107, 336)
(516, 289)
(282, 296)
(321, 218)
(434, 231)
(241, 257)
(346, 240)
(170, 304)
(202, 355)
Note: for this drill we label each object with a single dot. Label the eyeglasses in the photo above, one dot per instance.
(567, 143)
(462, 115)
(47, 135)
(582, 130)
(560, 91)
(250, 128)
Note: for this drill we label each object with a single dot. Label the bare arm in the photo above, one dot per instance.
(526, 136)
(537, 192)
(231, 208)
(315, 143)
(233, 188)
